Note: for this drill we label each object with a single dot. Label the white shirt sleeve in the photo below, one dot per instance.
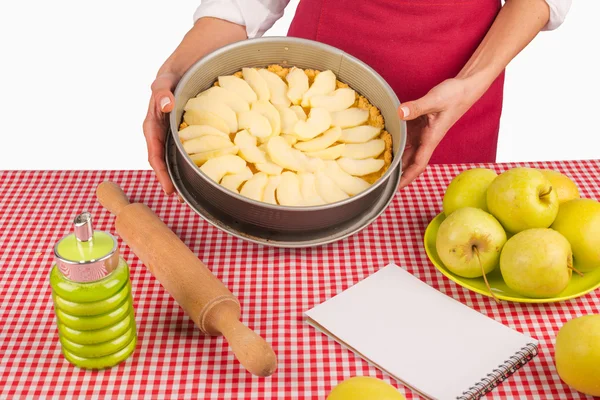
(558, 13)
(257, 16)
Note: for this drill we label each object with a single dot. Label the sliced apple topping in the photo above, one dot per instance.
(288, 119)
(200, 158)
(244, 139)
(360, 167)
(255, 186)
(205, 103)
(255, 123)
(310, 164)
(234, 181)
(360, 151)
(327, 188)
(291, 139)
(196, 131)
(338, 100)
(321, 142)
(299, 112)
(269, 111)
(202, 117)
(257, 83)
(319, 120)
(288, 191)
(324, 83)
(350, 117)
(248, 149)
(330, 153)
(252, 154)
(206, 143)
(308, 189)
(277, 88)
(280, 152)
(348, 183)
(359, 134)
(281, 137)
(217, 168)
(269, 168)
(270, 189)
(238, 86)
(219, 94)
(298, 85)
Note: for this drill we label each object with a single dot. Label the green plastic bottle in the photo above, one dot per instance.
(91, 292)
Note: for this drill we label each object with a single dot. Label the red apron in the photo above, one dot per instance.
(415, 45)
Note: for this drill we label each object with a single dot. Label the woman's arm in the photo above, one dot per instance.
(206, 35)
(517, 23)
(216, 24)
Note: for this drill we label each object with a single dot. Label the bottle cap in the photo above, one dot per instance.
(86, 255)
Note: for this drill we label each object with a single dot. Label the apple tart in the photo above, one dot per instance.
(286, 136)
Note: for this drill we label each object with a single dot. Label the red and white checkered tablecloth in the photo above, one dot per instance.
(274, 286)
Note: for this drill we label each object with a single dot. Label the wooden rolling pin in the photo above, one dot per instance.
(205, 299)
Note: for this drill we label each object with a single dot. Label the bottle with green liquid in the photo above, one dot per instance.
(91, 291)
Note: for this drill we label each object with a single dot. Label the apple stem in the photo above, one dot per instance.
(476, 250)
(571, 267)
(546, 193)
(575, 269)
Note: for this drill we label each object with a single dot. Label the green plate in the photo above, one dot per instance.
(579, 285)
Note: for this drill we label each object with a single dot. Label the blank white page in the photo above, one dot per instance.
(423, 338)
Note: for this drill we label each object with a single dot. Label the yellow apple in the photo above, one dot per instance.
(537, 263)
(577, 354)
(522, 198)
(364, 388)
(469, 242)
(565, 188)
(468, 189)
(579, 221)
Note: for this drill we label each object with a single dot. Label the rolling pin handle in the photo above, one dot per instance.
(112, 197)
(250, 349)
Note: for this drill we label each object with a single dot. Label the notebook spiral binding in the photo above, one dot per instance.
(498, 375)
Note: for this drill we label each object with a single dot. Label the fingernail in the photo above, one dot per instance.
(165, 101)
(405, 111)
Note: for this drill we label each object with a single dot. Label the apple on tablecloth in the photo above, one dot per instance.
(577, 354)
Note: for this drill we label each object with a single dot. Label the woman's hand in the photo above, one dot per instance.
(428, 120)
(207, 35)
(156, 126)
(430, 117)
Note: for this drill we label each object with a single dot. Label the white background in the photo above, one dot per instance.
(75, 79)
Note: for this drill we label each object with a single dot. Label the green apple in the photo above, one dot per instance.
(577, 354)
(537, 263)
(364, 388)
(468, 189)
(522, 198)
(565, 188)
(469, 242)
(579, 221)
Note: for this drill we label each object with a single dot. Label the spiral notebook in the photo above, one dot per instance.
(426, 340)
